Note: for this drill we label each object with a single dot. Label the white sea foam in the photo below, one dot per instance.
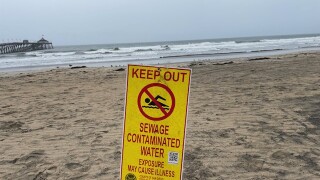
(99, 51)
(34, 53)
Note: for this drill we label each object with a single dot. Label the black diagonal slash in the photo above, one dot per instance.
(156, 102)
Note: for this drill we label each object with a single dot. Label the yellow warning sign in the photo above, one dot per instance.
(155, 123)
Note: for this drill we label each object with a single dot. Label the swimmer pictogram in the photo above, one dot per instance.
(152, 104)
(156, 101)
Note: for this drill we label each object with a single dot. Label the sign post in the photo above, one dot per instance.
(155, 123)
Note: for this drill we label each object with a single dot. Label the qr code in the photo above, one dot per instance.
(173, 157)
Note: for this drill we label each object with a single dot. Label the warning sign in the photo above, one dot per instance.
(155, 123)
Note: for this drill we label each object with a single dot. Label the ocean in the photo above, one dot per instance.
(158, 52)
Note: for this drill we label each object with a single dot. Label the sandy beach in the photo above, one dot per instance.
(249, 118)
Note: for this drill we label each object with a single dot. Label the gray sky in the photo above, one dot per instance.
(67, 22)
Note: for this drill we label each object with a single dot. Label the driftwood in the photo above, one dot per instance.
(120, 69)
(78, 67)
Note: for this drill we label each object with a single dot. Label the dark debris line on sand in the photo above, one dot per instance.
(259, 58)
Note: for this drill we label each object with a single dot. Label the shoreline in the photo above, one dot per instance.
(249, 118)
(168, 60)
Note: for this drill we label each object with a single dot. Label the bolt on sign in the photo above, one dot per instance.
(155, 123)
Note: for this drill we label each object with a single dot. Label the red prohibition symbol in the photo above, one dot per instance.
(156, 103)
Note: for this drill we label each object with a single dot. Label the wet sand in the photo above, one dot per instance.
(253, 118)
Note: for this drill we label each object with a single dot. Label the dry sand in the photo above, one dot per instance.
(256, 119)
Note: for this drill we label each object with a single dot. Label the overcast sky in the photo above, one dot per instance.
(68, 22)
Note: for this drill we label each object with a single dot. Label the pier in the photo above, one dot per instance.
(25, 46)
